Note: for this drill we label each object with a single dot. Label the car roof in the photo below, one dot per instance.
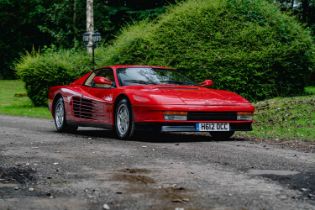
(137, 66)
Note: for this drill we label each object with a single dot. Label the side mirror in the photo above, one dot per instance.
(102, 81)
(206, 83)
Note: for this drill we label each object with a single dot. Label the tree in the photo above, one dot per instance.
(37, 23)
(304, 10)
(18, 21)
(89, 23)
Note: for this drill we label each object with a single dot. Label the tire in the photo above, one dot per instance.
(124, 124)
(60, 117)
(222, 135)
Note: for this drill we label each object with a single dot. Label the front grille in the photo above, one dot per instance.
(212, 116)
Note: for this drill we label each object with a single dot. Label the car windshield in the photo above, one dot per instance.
(151, 76)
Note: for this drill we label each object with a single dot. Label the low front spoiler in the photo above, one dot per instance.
(178, 129)
(189, 127)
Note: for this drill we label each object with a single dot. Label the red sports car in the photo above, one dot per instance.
(128, 98)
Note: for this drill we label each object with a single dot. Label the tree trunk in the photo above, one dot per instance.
(292, 4)
(305, 10)
(74, 23)
(89, 23)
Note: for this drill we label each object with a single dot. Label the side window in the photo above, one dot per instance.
(89, 80)
(107, 73)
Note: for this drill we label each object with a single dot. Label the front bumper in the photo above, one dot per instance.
(187, 127)
(155, 114)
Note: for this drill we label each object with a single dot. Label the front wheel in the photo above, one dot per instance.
(221, 135)
(124, 125)
(60, 117)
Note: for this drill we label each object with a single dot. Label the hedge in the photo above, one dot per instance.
(245, 46)
(52, 67)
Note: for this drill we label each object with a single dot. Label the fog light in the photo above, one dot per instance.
(244, 116)
(175, 115)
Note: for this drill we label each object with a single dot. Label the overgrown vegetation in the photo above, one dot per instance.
(31, 24)
(14, 101)
(304, 10)
(246, 46)
(291, 118)
(41, 71)
(310, 90)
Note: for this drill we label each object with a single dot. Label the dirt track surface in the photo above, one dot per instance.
(42, 169)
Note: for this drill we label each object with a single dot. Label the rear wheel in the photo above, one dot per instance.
(124, 125)
(60, 117)
(221, 135)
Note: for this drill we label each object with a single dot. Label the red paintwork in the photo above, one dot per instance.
(148, 101)
(207, 83)
(102, 81)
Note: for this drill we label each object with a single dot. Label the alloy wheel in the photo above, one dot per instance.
(123, 119)
(59, 113)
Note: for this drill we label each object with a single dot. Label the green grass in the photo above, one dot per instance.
(14, 101)
(290, 118)
(310, 90)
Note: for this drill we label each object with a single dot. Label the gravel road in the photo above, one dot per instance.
(43, 169)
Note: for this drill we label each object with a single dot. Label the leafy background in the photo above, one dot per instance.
(246, 46)
(33, 24)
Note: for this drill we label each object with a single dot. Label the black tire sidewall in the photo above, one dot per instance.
(130, 131)
(62, 127)
(65, 127)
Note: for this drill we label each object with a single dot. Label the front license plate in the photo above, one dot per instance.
(212, 126)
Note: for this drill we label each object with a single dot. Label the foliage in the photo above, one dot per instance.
(304, 10)
(285, 119)
(310, 90)
(14, 101)
(18, 20)
(52, 67)
(31, 24)
(245, 46)
(65, 20)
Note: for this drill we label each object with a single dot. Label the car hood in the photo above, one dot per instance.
(187, 95)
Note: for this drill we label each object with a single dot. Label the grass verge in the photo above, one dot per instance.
(310, 90)
(290, 118)
(14, 101)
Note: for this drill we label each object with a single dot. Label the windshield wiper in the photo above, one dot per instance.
(142, 82)
(176, 82)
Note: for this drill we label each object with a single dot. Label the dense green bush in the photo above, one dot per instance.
(246, 46)
(40, 71)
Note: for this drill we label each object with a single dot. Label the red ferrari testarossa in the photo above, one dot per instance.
(127, 98)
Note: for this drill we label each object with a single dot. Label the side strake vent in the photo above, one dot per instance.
(85, 108)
